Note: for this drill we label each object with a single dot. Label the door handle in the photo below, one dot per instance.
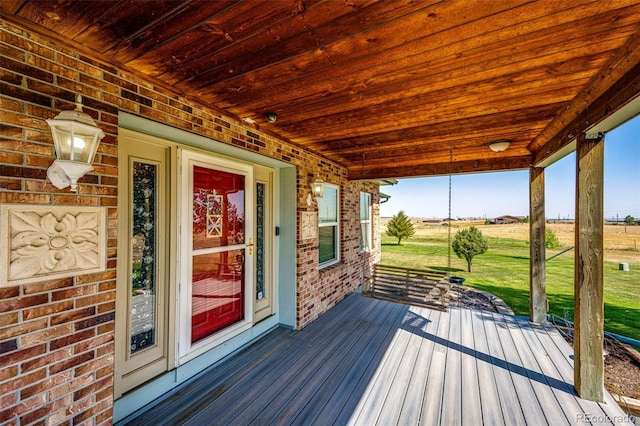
(250, 246)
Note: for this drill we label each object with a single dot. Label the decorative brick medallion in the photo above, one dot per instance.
(45, 242)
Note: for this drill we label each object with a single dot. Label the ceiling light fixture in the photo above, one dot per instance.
(499, 145)
(271, 117)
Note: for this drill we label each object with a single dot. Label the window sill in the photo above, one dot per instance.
(330, 266)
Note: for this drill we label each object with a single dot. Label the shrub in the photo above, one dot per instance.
(469, 243)
(550, 239)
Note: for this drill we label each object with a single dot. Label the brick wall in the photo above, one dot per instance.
(57, 337)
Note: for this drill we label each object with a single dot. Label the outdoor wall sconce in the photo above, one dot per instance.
(271, 117)
(499, 145)
(317, 191)
(75, 137)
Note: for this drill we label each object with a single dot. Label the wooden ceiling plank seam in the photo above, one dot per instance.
(239, 65)
(98, 57)
(551, 65)
(436, 148)
(440, 157)
(450, 127)
(469, 129)
(444, 158)
(423, 145)
(434, 108)
(503, 67)
(66, 19)
(465, 71)
(617, 68)
(11, 7)
(175, 47)
(188, 19)
(623, 91)
(563, 73)
(123, 21)
(126, 43)
(331, 83)
(432, 143)
(337, 123)
(440, 169)
(619, 82)
(258, 32)
(308, 62)
(470, 37)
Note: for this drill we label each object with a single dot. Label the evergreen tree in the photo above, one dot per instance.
(469, 243)
(400, 226)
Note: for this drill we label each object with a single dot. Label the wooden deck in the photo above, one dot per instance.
(369, 362)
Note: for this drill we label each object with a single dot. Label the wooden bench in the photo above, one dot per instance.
(420, 287)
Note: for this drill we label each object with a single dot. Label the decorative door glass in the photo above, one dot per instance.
(260, 240)
(218, 264)
(143, 274)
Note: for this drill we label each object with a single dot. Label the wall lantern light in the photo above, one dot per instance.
(75, 137)
(499, 145)
(317, 188)
(317, 191)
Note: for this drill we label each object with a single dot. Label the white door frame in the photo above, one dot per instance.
(188, 159)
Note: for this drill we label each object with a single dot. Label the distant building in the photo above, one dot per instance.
(503, 220)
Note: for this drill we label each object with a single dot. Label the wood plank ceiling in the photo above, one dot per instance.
(386, 88)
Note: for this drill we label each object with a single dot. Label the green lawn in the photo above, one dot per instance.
(504, 271)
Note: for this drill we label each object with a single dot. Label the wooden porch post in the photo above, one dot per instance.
(588, 275)
(537, 275)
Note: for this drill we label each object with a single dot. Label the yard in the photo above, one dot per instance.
(504, 269)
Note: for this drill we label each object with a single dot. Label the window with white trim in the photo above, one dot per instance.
(329, 226)
(365, 222)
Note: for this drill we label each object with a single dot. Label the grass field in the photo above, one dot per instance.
(504, 269)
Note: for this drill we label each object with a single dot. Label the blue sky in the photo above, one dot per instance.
(495, 194)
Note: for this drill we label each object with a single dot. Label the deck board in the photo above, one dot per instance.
(338, 384)
(412, 403)
(489, 393)
(522, 378)
(451, 408)
(435, 380)
(509, 401)
(554, 401)
(372, 362)
(472, 406)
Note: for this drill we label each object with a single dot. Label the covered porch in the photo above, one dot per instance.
(369, 362)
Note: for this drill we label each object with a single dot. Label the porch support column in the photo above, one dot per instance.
(537, 275)
(588, 276)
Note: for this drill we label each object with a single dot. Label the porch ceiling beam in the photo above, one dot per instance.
(440, 168)
(616, 84)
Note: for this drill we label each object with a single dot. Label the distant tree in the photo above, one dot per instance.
(550, 239)
(400, 226)
(630, 220)
(469, 243)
